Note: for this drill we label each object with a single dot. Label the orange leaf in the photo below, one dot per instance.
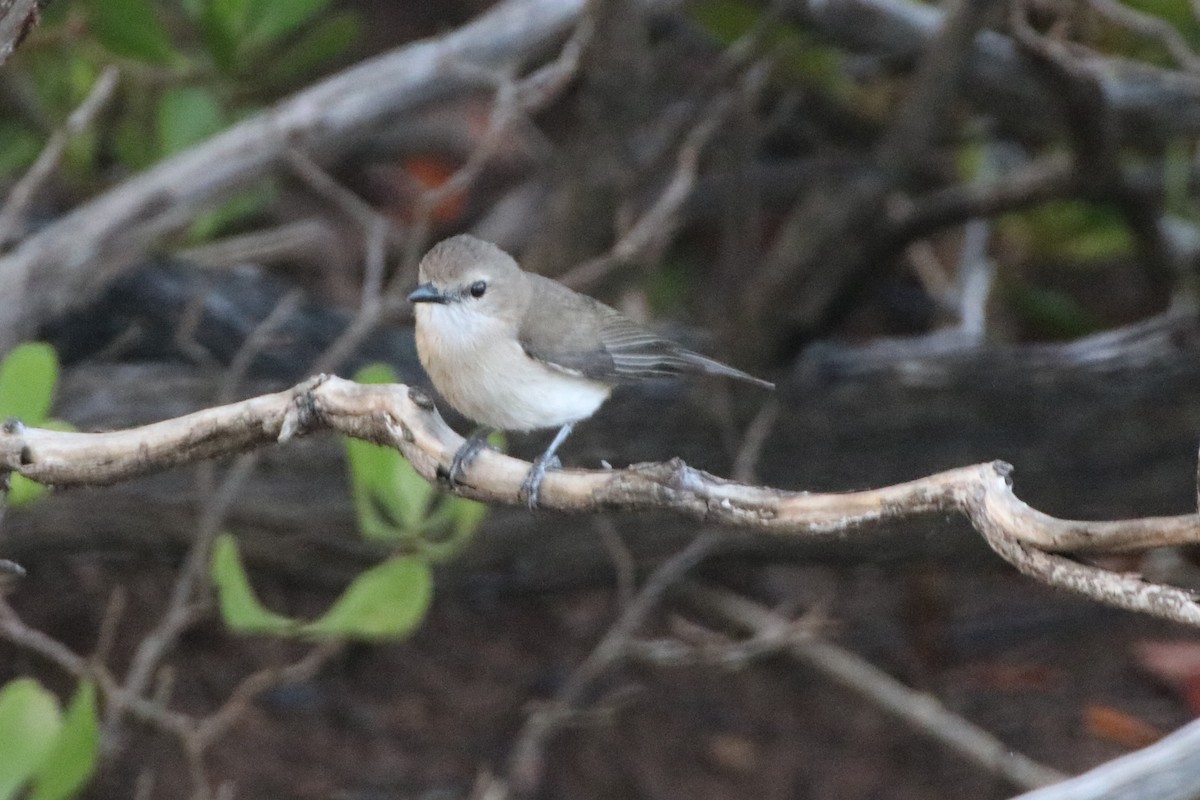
(1106, 722)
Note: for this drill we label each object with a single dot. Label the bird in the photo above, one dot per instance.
(517, 351)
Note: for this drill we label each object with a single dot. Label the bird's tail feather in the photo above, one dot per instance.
(713, 367)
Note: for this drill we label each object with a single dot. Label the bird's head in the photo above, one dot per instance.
(472, 277)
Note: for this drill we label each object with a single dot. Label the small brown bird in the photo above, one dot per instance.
(516, 351)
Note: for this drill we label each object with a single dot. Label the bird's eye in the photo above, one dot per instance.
(478, 288)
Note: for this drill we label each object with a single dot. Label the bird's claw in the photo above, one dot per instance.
(463, 458)
(531, 486)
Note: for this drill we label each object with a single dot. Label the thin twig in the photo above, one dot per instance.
(182, 607)
(13, 212)
(657, 225)
(1151, 27)
(922, 711)
(528, 753)
(745, 463)
(258, 340)
(253, 685)
(624, 565)
(304, 239)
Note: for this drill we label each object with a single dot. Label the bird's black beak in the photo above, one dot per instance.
(426, 293)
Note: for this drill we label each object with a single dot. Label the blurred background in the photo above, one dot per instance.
(950, 233)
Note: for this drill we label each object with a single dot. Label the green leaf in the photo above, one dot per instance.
(1050, 312)
(30, 721)
(232, 15)
(240, 608)
(130, 28)
(22, 491)
(238, 207)
(385, 602)
(73, 759)
(390, 497)
(187, 115)
(330, 37)
(457, 518)
(222, 43)
(1073, 230)
(725, 20)
(134, 144)
(375, 374)
(27, 379)
(385, 513)
(274, 19)
(19, 146)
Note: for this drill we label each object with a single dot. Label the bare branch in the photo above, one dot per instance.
(1141, 98)
(217, 723)
(922, 711)
(1151, 27)
(23, 192)
(528, 756)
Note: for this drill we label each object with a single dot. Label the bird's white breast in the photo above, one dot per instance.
(477, 364)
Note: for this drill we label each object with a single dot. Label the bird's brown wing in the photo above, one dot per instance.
(583, 336)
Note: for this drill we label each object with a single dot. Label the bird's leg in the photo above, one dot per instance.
(546, 461)
(466, 454)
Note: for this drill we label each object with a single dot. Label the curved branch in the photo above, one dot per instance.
(405, 418)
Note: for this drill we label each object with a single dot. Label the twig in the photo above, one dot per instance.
(1048, 179)
(14, 630)
(623, 562)
(920, 710)
(745, 462)
(377, 232)
(528, 754)
(1144, 100)
(217, 723)
(258, 340)
(976, 272)
(1151, 27)
(22, 194)
(182, 609)
(923, 116)
(513, 102)
(1094, 135)
(307, 238)
(658, 223)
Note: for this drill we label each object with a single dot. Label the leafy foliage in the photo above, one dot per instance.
(387, 601)
(395, 506)
(42, 749)
(191, 68)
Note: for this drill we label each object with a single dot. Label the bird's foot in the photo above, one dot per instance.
(532, 484)
(463, 458)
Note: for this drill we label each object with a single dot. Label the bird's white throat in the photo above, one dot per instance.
(477, 364)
